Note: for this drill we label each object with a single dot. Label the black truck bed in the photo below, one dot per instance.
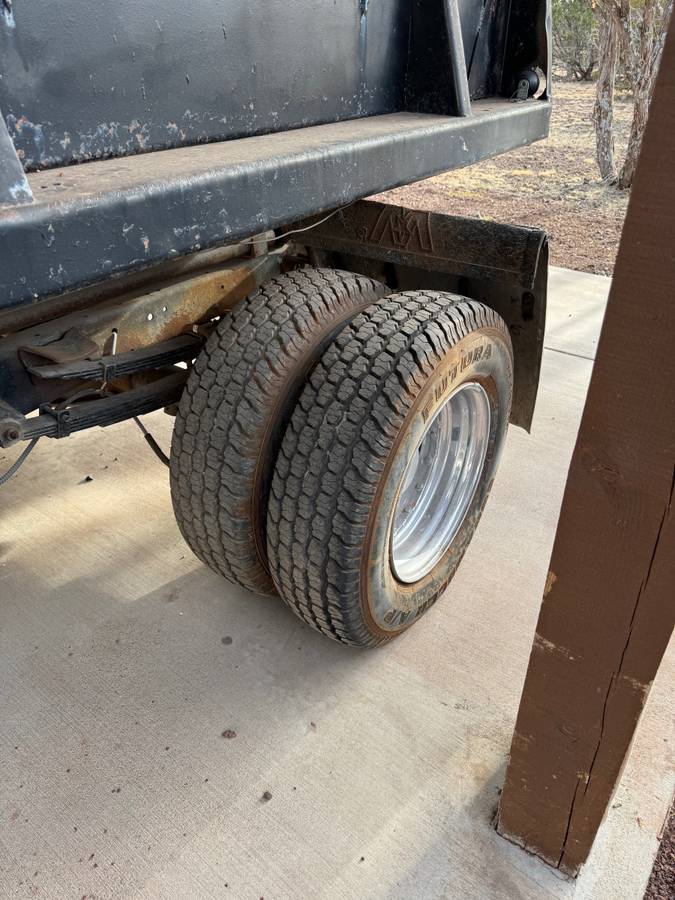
(134, 133)
(91, 221)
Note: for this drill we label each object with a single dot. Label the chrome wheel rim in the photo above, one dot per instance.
(439, 482)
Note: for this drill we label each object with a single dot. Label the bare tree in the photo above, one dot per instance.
(603, 111)
(646, 39)
(634, 31)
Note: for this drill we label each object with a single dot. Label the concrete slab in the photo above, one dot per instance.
(573, 326)
(119, 679)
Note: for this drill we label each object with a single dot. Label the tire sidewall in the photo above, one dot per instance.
(484, 356)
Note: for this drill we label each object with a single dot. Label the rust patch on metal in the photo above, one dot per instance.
(551, 579)
(146, 318)
(72, 347)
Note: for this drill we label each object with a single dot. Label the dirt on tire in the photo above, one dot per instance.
(237, 401)
(326, 550)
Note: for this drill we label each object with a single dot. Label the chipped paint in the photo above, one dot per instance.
(549, 647)
(115, 99)
(19, 191)
(551, 579)
(56, 273)
(8, 14)
(30, 132)
(638, 686)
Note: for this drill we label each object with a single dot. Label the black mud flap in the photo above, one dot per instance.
(503, 266)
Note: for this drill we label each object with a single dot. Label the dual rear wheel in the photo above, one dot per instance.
(336, 444)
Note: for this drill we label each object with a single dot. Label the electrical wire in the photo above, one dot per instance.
(16, 465)
(281, 237)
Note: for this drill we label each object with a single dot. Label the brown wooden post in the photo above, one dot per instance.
(609, 602)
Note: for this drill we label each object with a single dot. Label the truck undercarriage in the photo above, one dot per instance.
(130, 249)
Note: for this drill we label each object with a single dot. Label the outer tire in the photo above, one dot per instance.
(346, 450)
(235, 408)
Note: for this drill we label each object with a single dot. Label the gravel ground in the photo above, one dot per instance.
(662, 882)
(553, 184)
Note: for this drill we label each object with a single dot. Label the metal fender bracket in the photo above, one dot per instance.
(503, 266)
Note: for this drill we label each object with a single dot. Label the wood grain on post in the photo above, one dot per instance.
(609, 602)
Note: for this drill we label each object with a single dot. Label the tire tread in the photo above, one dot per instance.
(337, 443)
(231, 393)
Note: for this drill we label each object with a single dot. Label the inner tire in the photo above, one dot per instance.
(235, 408)
(353, 464)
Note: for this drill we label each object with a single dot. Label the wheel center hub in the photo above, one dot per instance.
(439, 482)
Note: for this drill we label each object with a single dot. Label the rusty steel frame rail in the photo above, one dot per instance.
(140, 320)
(145, 279)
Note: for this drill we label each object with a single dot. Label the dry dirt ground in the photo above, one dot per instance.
(553, 185)
(662, 882)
